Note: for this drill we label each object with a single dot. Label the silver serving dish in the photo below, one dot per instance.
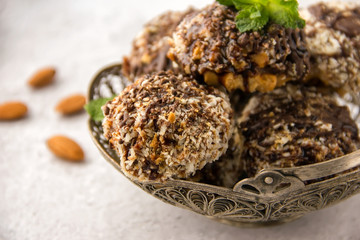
(273, 196)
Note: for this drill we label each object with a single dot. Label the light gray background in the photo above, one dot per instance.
(42, 197)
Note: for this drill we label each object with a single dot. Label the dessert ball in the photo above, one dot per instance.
(151, 45)
(229, 169)
(333, 40)
(208, 44)
(167, 126)
(294, 126)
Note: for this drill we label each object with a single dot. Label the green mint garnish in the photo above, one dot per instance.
(252, 17)
(286, 13)
(255, 14)
(226, 2)
(94, 108)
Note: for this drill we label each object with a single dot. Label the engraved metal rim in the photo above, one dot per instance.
(267, 188)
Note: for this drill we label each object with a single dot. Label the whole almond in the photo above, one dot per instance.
(12, 110)
(42, 77)
(71, 104)
(65, 148)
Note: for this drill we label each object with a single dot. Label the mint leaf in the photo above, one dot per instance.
(252, 17)
(285, 13)
(239, 4)
(226, 2)
(94, 108)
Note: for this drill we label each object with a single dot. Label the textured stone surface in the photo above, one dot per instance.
(42, 197)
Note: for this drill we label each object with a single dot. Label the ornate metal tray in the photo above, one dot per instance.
(273, 196)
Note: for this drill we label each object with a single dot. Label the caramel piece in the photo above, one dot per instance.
(232, 82)
(262, 83)
(211, 78)
(197, 53)
(172, 117)
(261, 59)
(146, 58)
(282, 80)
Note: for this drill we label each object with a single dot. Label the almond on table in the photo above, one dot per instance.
(71, 104)
(65, 148)
(42, 77)
(12, 110)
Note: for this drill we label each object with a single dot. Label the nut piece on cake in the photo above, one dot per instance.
(167, 126)
(210, 45)
(333, 40)
(295, 126)
(150, 47)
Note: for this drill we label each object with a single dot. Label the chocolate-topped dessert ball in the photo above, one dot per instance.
(150, 47)
(294, 126)
(167, 126)
(209, 44)
(333, 40)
